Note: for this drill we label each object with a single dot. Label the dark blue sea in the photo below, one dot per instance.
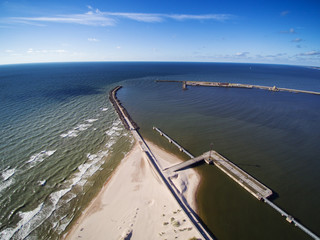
(61, 139)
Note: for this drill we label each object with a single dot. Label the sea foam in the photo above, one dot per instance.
(8, 173)
(25, 218)
(6, 184)
(79, 128)
(39, 157)
(91, 120)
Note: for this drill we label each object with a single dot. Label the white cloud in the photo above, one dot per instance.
(44, 51)
(93, 40)
(242, 54)
(311, 53)
(99, 18)
(290, 31)
(59, 51)
(90, 18)
(297, 40)
(9, 51)
(284, 13)
(140, 17)
(217, 17)
(276, 55)
(118, 47)
(154, 17)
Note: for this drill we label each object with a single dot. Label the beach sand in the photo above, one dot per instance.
(136, 204)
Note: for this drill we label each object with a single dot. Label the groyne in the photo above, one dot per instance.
(185, 85)
(122, 112)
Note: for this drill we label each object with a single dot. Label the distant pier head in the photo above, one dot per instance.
(185, 85)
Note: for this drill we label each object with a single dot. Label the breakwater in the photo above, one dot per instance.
(132, 126)
(185, 85)
(122, 112)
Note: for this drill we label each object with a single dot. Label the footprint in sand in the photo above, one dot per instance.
(151, 202)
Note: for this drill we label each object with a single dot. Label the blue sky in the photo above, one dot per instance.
(280, 32)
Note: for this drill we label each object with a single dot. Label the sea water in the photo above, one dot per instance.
(274, 136)
(61, 140)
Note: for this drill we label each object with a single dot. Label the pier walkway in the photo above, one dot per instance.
(186, 164)
(244, 179)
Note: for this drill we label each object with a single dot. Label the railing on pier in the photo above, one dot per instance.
(173, 142)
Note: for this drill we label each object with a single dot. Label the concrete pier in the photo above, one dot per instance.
(244, 179)
(185, 84)
(248, 182)
(186, 164)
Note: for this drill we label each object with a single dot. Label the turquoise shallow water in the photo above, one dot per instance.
(61, 139)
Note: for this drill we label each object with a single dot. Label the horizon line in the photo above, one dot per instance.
(154, 61)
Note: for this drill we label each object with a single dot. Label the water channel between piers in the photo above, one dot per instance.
(248, 182)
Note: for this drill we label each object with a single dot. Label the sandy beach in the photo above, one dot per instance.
(135, 203)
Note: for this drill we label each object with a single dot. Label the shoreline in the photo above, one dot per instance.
(134, 197)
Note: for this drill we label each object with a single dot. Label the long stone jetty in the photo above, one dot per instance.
(133, 127)
(185, 85)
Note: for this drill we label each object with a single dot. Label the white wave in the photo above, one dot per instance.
(110, 143)
(117, 123)
(104, 109)
(25, 218)
(43, 214)
(114, 131)
(72, 196)
(5, 184)
(110, 132)
(39, 157)
(58, 199)
(83, 127)
(71, 133)
(91, 120)
(64, 225)
(79, 128)
(7, 173)
(33, 219)
(49, 153)
(42, 183)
